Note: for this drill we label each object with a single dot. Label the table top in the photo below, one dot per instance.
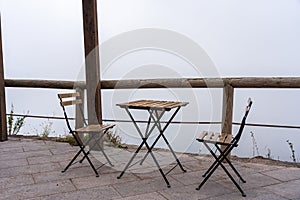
(152, 104)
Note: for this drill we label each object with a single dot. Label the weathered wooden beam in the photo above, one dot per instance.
(92, 61)
(47, 84)
(264, 82)
(276, 82)
(79, 118)
(227, 111)
(3, 125)
(269, 82)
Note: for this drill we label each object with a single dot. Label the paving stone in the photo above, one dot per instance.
(255, 194)
(197, 165)
(144, 186)
(47, 159)
(193, 177)
(10, 156)
(36, 174)
(102, 180)
(289, 189)
(211, 189)
(285, 174)
(102, 193)
(36, 190)
(13, 163)
(29, 169)
(257, 167)
(16, 181)
(11, 150)
(148, 196)
(256, 180)
(71, 173)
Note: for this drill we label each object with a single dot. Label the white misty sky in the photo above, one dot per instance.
(43, 38)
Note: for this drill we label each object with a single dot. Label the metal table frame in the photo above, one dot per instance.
(155, 115)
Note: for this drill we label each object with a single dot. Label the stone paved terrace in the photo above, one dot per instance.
(31, 169)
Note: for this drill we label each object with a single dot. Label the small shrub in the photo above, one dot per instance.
(292, 150)
(14, 126)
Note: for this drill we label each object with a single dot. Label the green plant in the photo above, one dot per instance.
(14, 126)
(69, 139)
(292, 150)
(46, 129)
(269, 153)
(115, 140)
(254, 145)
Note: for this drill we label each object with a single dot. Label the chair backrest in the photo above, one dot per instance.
(69, 99)
(236, 139)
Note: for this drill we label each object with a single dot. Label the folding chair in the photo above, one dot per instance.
(83, 135)
(227, 144)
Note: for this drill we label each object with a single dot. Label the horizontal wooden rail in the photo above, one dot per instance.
(249, 82)
(270, 82)
(45, 84)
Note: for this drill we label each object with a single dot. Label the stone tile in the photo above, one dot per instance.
(285, 174)
(11, 150)
(195, 177)
(253, 181)
(211, 189)
(10, 156)
(144, 186)
(102, 193)
(36, 190)
(47, 159)
(73, 172)
(197, 165)
(16, 181)
(59, 151)
(257, 167)
(288, 189)
(255, 194)
(102, 180)
(148, 196)
(13, 163)
(30, 169)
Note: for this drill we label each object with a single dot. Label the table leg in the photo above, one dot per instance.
(157, 123)
(139, 148)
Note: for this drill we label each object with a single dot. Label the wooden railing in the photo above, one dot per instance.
(228, 85)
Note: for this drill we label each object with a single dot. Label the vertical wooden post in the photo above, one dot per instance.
(79, 119)
(227, 112)
(3, 125)
(92, 60)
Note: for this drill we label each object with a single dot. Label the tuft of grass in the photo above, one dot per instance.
(68, 139)
(14, 125)
(254, 145)
(292, 150)
(115, 140)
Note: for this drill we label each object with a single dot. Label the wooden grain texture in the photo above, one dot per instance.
(227, 110)
(3, 125)
(92, 60)
(94, 128)
(68, 95)
(262, 82)
(71, 102)
(46, 84)
(152, 104)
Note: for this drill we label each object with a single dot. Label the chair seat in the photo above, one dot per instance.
(94, 128)
(215, 138)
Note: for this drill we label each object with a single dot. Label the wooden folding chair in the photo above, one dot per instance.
(228, 144)
(83, 135)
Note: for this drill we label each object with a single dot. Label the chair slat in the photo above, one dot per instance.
(68, 95)
(72, 102)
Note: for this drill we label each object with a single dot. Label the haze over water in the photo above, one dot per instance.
(44, 40)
